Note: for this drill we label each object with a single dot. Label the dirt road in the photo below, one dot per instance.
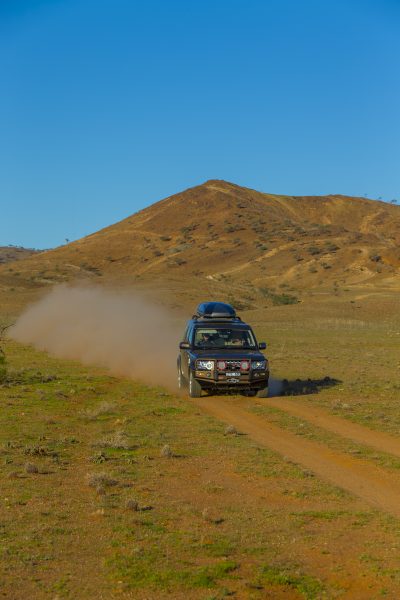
(377, 486)
(317, 416)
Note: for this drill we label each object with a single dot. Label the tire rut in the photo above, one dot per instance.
(376, 486)
(321, 418)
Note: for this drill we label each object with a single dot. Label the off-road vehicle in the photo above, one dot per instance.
(219, 353)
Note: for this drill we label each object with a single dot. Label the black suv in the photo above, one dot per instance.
(219, 353)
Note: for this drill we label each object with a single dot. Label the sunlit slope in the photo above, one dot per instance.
(221, 231)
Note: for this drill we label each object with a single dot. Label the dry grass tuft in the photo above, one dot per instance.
(37, 450)
(98, 458)
(98, 480)
(118, 440)
(132, 505)
(31, 468)
(210, 516)
(103, 408)
(231, 430)
(166, 452)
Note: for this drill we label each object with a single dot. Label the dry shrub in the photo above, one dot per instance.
(231, 430)
(117, 440)
(166, 452)
(103, 408)
(132, 505)
(31, 468)
(98, 480)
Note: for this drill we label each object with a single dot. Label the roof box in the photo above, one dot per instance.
(215, 310)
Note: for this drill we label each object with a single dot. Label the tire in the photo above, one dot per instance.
(262, 393)
(194, 387)
(181, 380)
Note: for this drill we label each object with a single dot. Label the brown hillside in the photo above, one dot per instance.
(12, 253)
(221, 233)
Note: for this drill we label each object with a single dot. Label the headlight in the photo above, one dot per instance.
(259, 364)
(205, 365)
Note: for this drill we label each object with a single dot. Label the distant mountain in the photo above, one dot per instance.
(236, 238)
(11, 253)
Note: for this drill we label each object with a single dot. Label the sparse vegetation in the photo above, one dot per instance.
(197, 524)
(279, 299)
(309, 587)
(314, 250)
(100, 479)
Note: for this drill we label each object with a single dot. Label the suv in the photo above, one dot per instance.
(219, 353)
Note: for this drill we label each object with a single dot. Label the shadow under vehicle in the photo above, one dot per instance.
(220, 354)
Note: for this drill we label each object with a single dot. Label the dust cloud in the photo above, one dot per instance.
(118, 330)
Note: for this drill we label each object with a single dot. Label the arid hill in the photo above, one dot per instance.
(220, 234)
(12, 253)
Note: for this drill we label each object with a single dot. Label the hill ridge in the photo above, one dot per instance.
(236, 236)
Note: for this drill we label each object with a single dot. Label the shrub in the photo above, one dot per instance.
(100, 479)
(376, 257)
(117, 440)
(3, 367)
(279, 299)
(331, 247)
(179, 261)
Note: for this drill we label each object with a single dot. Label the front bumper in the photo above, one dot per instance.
(244, 380)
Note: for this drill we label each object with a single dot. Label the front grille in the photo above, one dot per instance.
(233, 365)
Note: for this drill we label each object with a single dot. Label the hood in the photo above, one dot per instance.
(232, 354)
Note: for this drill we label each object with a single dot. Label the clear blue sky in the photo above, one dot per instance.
(109, 105)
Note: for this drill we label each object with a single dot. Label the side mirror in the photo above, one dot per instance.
(184, 345)
(262, 346)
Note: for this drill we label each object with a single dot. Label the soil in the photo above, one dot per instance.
(374, 485)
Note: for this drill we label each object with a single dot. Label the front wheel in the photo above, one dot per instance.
(181, 379)
(194, 387)
(263, 393)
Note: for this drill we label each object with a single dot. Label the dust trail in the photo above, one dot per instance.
(121, 331)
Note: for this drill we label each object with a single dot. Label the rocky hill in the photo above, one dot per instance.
(234, 238)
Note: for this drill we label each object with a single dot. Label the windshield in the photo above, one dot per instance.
(224, 338)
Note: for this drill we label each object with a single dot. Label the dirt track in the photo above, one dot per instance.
(376, 439)
(378, 487)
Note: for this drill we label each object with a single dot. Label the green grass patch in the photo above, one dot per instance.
(309, 587)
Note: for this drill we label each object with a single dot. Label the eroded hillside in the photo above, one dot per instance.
(220, 234)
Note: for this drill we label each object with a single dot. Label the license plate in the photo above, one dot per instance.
(233, 374)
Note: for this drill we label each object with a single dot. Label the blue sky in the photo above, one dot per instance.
(107, 106)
